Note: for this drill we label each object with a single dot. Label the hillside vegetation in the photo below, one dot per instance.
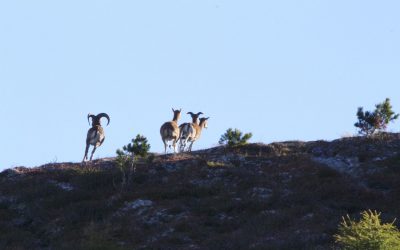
(288, 195)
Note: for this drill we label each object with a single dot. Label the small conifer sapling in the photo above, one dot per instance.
(371, 121)
(234, 137)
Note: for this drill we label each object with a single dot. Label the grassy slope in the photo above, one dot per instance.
(286, 195)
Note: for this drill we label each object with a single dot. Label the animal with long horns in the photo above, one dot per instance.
(192, 132)
(95, 135)
(188, 129)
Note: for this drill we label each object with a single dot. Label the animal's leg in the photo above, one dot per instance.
(94, 149)
(86, 152)
(182, 145)
(165, 147)
(174, 145)
(101, 142)
(186, 143)
(190, 146)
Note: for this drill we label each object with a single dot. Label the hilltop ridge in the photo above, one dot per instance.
(283, 195)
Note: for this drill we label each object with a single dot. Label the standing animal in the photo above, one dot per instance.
(191, 132)
(183, 139)
(95, 135)
(170, 131)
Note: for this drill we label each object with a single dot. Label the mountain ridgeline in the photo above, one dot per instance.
(286, 195)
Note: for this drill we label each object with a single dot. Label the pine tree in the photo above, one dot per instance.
(370, 122)
(138, 148)
(234, 138)
(126, 158)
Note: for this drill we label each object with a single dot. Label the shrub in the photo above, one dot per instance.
(234, 138)
(368, 234)
(126, 158)
(138, 147)
(369, 122)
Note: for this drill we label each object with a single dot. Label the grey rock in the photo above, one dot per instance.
(261, 193)
(137, 204)
(63, 185)
(347, 165)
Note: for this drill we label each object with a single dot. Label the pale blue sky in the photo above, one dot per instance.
(284, 70)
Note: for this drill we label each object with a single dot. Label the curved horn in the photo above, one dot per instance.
(173, 110)
(189, 113)
(90, 116)
(104, 115)
(200, 113)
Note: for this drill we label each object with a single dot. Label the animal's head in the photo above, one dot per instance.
(195, 116)
(96, 119)
(177, 114)
(204, 122)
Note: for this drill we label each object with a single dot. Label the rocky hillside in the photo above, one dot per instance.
(288, 195)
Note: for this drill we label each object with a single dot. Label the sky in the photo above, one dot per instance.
(283, 70)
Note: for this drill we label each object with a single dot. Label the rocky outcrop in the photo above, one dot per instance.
(284, 195)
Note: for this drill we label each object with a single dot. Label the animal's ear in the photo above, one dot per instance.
(173, 110)
(207, 118)
(180, 110)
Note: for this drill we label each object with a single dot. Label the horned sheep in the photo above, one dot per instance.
(190, 132)
(95, 135)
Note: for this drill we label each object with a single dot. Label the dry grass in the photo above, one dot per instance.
(257, 196)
